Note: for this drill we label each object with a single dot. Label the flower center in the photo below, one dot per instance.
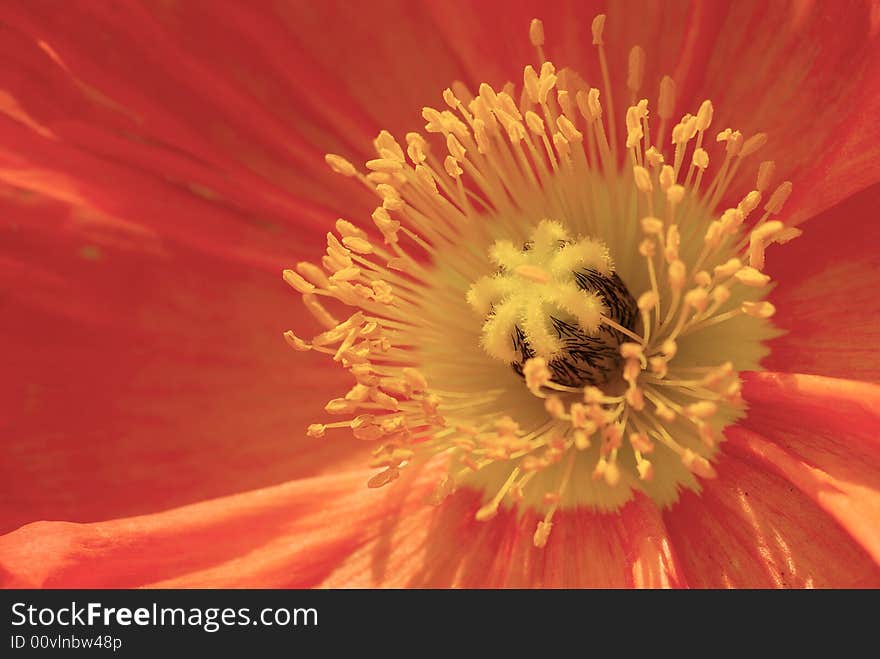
(557, 300)
(630, 366)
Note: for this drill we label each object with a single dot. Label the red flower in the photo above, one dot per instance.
(161, 163)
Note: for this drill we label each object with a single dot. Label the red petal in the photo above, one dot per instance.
(826, 294)
(286, 535)
(821, 434)
(797, 499)
(808, 77)
(446, 547)
(750, 528)
(140, 376)
(334, 532)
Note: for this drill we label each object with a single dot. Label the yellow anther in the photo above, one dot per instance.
(660, 367)
(720, 294)
(297, 282)
(530, 83)
(667, 177)
(653, 157)
(516, 132)
(707, 434)
(450, 99)
(700, 158)
(542, 534)
(545, 84)
(416, 148)
(597, 28)
(340, 165)
(553, 404)
(685, 130)
(761, 309)
(316, 430)
(675, 194)
(749, 203)
(452, 167)
(536, 373)
(635, 398)
(386, 225)
(384, 165)
(295, 342)
(728, 269)
(698, 464)
(701, 410)
(759, 239)
(387, 147)
(629, 350)
(647, 301)
(641, 443)
(358, 245)
(713, 234)
(704, 115)
(568, 130)
(642, 179)
(535, 123)
(536, 32)
(731, 220)
(611, 473)
(697, 298)
(312, 273)
(456, 150)
(665, 413)
(666, 102)
(778, 198)
(631, 370)
(581, 439)
(415, 379)
(594, 107)
(635, 69)
(565, 102)
(734, 144)
(634, 128)
(677, 275)
(765, 174)
(752, 144)
(752, 277)
(652, 225)
(673, 242)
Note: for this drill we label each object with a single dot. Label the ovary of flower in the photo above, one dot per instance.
(534, 285)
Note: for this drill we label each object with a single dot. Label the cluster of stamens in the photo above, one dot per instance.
(542, 187)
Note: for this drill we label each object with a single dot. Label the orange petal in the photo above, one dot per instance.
(822, 435)
(333, 532)
(750, 528)
(140, 376)
(826, 294)
(291, 534)
(446, 547)
(807, 74)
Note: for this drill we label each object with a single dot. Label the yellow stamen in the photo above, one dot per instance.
(540, 308)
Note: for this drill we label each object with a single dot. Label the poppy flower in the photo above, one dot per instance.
(560, 336)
